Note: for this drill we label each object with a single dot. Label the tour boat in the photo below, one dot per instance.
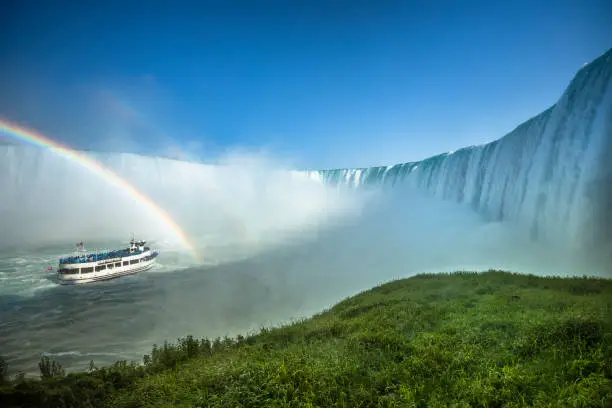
(86, 266)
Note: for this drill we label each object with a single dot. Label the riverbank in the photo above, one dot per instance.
(469, 339)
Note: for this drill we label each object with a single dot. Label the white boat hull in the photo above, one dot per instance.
(101, 276)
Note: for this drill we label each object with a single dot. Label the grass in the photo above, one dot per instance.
(495, 339)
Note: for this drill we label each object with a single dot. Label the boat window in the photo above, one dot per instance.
(133, 261)
(100, 268)
(89, 269)
(125, 263)
(110, 266)
(117, 264)
(71, 271)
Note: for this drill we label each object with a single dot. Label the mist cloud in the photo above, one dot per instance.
(275, 245)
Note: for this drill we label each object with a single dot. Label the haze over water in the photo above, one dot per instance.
(274, 246)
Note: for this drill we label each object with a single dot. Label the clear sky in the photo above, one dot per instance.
(319, 83)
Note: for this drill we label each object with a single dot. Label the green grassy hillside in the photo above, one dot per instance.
(451, 340)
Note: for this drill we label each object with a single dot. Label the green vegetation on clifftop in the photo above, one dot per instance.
(463, 340)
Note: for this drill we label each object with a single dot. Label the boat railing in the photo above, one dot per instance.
(98, 256)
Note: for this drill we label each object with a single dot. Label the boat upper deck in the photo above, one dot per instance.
(101, 256)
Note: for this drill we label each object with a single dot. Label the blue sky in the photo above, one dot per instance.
(319, 83)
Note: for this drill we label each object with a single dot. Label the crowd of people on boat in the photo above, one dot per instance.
(95, 257)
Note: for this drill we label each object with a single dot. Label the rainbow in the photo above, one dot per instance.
(27, 135)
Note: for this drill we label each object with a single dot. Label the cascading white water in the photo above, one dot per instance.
(550, 176)
(47, 198)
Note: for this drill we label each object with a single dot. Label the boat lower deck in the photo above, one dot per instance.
(107, 276)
